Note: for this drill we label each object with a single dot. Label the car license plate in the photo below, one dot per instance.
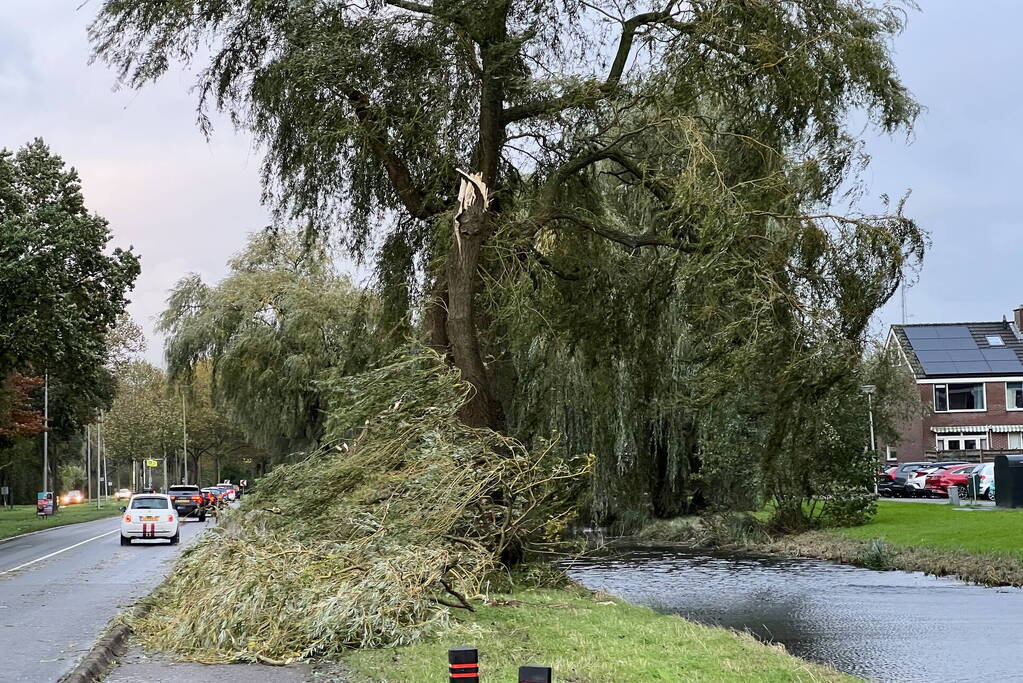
(149, 518)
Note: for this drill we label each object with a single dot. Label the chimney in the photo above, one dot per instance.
(1017, 316)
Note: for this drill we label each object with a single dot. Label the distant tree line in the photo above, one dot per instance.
(62, 290)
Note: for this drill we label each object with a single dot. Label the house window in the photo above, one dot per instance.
(962, 442)
(952, 397)
(1016, 440)
(890, 454)
(1014, 395)
(995, 341)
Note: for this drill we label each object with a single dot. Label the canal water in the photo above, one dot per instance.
(882, 626)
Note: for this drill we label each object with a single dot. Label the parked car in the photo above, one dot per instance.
(902, 475)
(122, 494)
(987, 480)
(885, 480)
(188, 500)
(149, 515)
(916, 485)
(72, 497)
(939, 482)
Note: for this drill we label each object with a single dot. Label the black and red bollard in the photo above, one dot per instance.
(464, 665)
(534, 674)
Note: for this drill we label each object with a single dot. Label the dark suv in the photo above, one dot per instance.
(188, 500)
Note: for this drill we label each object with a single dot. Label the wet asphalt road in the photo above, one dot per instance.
(60, 587)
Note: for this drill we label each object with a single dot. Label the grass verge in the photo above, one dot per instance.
(982, 545)
(22, 519)
(587, 638)
(982, 531)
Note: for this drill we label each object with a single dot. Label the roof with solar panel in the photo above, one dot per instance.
(962, 349)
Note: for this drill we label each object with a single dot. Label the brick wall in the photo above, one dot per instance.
(918, 438)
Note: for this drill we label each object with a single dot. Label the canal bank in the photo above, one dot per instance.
(982, 545)
(587, 637)
(882, 626)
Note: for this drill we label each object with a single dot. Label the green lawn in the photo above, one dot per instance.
(21, 519)
(588, 640)
(942, 527)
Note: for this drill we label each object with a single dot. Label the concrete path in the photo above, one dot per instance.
(60, 587)
(138, 667)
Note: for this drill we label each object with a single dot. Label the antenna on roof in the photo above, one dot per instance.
(902, 296)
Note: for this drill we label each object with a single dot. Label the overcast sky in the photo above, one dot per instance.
(186, 204)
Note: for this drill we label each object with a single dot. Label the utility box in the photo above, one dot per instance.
(1009, 481)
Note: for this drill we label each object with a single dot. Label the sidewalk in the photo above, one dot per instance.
(140, 667)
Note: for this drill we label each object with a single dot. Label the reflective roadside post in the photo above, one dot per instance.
(463, 665)
(534, 674)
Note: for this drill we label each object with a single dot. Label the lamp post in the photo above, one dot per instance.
(869, 390)
(46, 432)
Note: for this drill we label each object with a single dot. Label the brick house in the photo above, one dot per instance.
(970, 378)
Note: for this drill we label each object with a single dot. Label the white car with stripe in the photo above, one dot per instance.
(149, 515)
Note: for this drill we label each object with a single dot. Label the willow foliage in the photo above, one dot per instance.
(373, 539)
(661, 252)
(280, 319)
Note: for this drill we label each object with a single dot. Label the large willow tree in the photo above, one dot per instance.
(368, 109)
(658, 238)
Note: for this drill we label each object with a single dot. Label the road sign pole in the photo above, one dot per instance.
(166, 486)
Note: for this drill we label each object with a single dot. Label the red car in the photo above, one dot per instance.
(957, 475)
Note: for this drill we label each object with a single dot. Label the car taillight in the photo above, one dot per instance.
(197, 499)
(170, 518)
(127, 518)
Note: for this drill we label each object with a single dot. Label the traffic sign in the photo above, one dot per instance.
(150, 462)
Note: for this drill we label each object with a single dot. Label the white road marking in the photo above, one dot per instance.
(63, 550)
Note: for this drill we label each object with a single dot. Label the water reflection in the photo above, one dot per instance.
(883, 626)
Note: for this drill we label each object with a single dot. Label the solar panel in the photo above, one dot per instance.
(972, 366)
(935, 344)
(999, 354)
(954, 332)
(915, 333)
(941, 368)
(951, 350)
(1009, 366)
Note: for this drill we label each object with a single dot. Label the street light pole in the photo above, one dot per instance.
(46, 431)
(88, 461)
(869, 390)
(184, 433)
(870, 410)
(99, 426)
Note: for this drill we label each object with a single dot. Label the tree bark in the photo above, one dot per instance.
(437, 316)
(471, 229)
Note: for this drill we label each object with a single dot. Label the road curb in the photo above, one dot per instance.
(103, 655)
